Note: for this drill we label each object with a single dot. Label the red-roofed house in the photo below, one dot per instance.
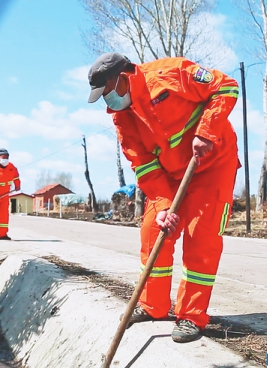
(44, 195)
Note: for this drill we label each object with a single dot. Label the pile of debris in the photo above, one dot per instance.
(123, 204)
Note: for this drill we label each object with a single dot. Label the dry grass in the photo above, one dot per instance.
(238, 225)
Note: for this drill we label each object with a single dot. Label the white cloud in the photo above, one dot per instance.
(13, 125)
(13, 80)
(79, 74)
(76, 86)
(255, 119)
(65, 96)
(21, 158)
(59, 165)
(90, 116)
(28, 178)
(48, 121)
(3, 142)
(101, 148)
(255, 159)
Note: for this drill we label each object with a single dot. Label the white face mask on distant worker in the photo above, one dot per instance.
(4, 161)
(116, 102)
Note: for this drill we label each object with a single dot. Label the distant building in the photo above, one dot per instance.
(45, 195)
(20, 202)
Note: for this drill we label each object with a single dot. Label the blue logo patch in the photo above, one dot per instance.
(203, 76)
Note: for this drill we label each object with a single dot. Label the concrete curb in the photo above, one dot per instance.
(53, 321)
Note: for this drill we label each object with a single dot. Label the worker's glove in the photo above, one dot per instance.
(167, 222)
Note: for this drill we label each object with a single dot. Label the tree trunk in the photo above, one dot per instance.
(93, 203)
(121, 178)
(261, 199)
(139, 202)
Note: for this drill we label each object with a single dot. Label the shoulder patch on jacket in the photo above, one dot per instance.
(160, 98)
(203, 76)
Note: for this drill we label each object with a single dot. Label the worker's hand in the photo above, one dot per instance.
(201, 146)
(168, 222)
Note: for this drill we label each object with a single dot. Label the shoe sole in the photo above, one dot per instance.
(185, 339)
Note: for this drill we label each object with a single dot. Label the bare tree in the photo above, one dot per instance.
(92, 198)
(45, 177)
(254, 26)
(121, 177)
(151, 29)
(65, 179)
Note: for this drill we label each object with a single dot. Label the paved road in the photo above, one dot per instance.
(240, 288)
(240, 257)
(239, 293)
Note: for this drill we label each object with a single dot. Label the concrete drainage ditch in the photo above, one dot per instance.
(53, 315)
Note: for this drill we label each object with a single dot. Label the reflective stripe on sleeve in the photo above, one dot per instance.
(4, 225)
(230, 91)
(146, 168)
(198, 278)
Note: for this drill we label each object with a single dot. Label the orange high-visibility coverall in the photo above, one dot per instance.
(8, 175)
(174, 100)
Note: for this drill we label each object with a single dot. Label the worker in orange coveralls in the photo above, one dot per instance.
(8, 175)
(165, 112)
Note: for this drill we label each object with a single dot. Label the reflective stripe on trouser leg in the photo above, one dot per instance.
(198, 278)
(155, 297)
(224, 218)
(4, 216)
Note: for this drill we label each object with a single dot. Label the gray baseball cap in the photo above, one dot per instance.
(105, 67)
(3, 151)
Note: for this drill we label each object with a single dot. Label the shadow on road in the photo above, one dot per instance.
(150, 340)
(237, 325)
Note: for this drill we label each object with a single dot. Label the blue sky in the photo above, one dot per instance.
(44, 90)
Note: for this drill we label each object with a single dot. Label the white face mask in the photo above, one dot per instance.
(4, 161)
(116, 102)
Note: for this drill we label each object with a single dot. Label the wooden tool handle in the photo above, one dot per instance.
(106, 360)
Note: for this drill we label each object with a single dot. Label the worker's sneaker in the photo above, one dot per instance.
(139, 315)
(6, 237)
(185, 331)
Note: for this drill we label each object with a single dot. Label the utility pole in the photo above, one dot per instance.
(245, 146)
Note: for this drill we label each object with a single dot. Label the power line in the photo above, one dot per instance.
(64, 148)
(246, 67)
